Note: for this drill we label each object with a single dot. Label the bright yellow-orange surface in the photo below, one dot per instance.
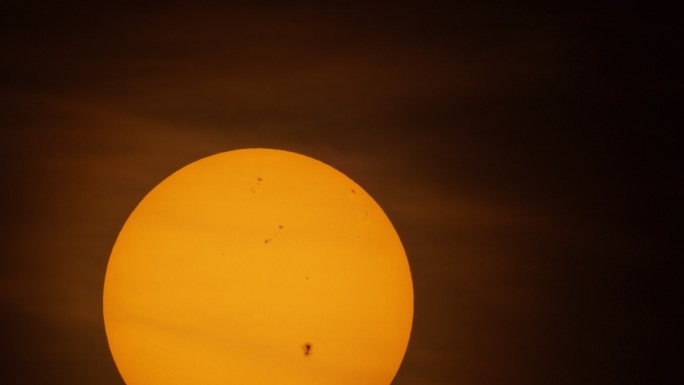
(258, 267)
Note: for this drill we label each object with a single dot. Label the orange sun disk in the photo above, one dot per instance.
(258, 267)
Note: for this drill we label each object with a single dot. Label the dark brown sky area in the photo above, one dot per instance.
(524, 152)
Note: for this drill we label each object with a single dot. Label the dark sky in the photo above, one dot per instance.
(524, 152)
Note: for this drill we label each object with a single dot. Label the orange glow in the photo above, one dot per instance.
(258, 267)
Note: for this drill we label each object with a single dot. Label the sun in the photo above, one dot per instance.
(261, 267)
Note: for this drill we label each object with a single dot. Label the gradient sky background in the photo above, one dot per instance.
(524, 152)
